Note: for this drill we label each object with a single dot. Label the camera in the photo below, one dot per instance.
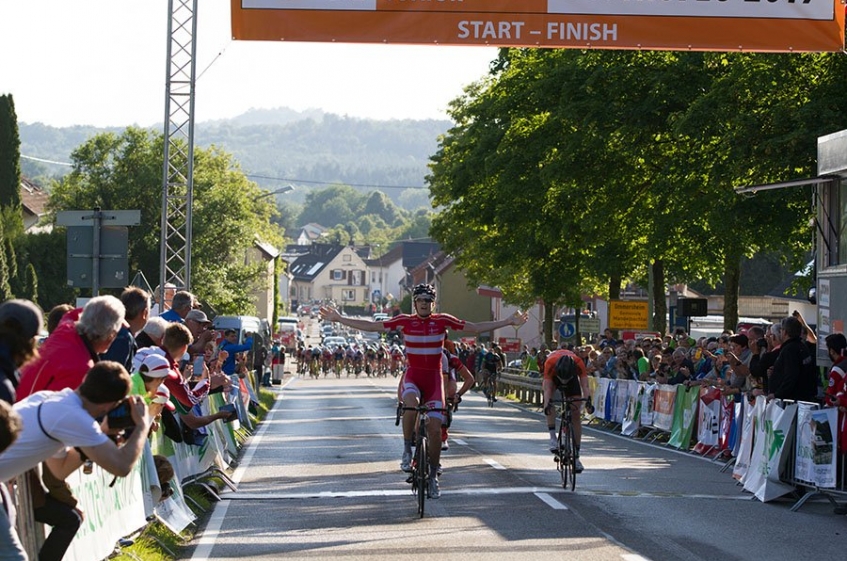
(121, 416)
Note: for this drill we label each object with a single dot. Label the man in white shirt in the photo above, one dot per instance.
(62, 429)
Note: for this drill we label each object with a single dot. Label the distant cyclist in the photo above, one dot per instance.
(492, 362)
(565, 376)
(423, 333)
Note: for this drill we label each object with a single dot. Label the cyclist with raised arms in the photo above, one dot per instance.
(423, 333)
(565, 375)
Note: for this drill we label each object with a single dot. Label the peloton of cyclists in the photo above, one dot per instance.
(423, 334)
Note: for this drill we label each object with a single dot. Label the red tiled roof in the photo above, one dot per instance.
(33, 198)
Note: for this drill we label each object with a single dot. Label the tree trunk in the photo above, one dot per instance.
(660, 307)
(615, 282)
(549, 309)
(732, 284)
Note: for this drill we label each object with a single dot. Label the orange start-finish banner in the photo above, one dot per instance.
(703, 25)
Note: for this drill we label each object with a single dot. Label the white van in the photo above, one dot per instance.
(242, 325)
(287, 328)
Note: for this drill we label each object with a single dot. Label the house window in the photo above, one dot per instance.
(373, 277)
(337, 275)
(347, 258)
(348, 295)
(356, 278)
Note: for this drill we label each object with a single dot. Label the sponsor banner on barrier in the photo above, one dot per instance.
(663, 398)
(624, 388)
(771, 441)
(736, 425)
(609, 406)
(648, 399)
(684, 414)
(727, 422)
(632, 417)
(816, 456)
(111, 512)
(174, 513)
(601, 398)
(753, 418)
(708, 420)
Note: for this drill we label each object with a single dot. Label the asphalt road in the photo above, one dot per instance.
(321, 480)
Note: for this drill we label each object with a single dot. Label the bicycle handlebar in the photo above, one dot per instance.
(420, 409)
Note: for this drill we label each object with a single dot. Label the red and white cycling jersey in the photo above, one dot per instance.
(424, 337)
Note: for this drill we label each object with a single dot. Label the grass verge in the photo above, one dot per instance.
(155, 542)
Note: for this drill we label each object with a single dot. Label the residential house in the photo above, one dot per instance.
(34, 204)
(331, 273)
(262, 294)
(386, 274)
(416, 252)
(310, 233)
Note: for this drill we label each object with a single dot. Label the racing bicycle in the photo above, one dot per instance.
(565, 455)
(419, 478)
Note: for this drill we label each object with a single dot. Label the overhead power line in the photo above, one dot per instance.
(33, 158)
(310, 182)
(257, 176)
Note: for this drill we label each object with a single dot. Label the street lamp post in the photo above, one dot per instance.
(281, 190)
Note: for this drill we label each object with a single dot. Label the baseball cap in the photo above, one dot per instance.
(163, 397)
(22, 315)
(155, 366)
(142, 353)
(198, 316)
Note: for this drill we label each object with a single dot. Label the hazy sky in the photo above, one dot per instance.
(102, 63)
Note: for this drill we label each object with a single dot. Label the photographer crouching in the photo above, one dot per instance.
(63, 428)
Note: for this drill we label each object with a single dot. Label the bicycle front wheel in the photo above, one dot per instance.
(422, 474)
(566, 458)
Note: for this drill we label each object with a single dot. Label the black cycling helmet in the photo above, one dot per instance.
(565, 370)
(424, 292)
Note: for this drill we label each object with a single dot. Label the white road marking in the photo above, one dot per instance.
(493, 464)
(458, 441)
(206, 541)
(551, 502)
(239, 496)
(633, 557)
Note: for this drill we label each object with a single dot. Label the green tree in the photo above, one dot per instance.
(10, 165)
(5, 287)
(46, 253)
(30, 284)
(122, 172)
(331, 206)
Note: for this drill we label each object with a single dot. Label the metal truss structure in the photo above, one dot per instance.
(178, 172)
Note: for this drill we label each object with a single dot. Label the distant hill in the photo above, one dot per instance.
(309, 149)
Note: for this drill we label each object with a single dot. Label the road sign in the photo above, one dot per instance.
(106, 217)
(566, 330)
(589, 325)
(629, 314)
(728, 25)
(97, 246)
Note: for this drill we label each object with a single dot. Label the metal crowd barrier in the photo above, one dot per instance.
(526, 387)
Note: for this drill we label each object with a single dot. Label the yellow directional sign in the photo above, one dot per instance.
(629, 314)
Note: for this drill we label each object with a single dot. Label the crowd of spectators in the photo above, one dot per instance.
(105, 376)
(777, 361)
